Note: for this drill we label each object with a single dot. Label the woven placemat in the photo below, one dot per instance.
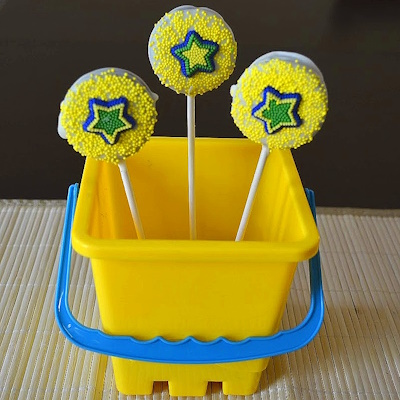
(356, 354)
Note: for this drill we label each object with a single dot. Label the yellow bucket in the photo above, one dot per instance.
(170, 286)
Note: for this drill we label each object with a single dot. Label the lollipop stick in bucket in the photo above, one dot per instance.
(252, 192)
(131, 199)
(108, 115)
(191, 132)
(280, 101)
(192, 51)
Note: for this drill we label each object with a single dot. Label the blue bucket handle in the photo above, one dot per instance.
(188, 350)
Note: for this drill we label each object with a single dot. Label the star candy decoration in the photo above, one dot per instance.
(195, 54)
(108, 118)
(278, 110)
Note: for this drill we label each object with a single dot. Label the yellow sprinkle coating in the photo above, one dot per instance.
(171, 30)
(106, 86)
(285, 77)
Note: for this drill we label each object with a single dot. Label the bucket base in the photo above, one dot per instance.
(137, 377)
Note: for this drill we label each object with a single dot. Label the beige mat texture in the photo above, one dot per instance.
(356, 354)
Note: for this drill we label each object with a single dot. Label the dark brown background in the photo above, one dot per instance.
(45, 45)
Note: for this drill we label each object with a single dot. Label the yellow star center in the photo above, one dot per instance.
(196, 55)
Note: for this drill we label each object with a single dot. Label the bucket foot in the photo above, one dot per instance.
(247, 384)
(130, 379)
(187, 387)
(134, 387)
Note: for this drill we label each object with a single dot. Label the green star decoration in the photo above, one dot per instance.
(278, 114)
(108, 119)
(195, 54)
(278, 110)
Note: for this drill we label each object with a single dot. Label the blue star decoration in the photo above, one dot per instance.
(195, 54)
(278, 110)
(108, 118)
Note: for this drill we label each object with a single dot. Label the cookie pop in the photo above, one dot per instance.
(280, 101)
(192, 51)
(109, 114)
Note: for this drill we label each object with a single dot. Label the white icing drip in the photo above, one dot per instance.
(291, 58)
(60, 129)
(283, 56)
(117, 72)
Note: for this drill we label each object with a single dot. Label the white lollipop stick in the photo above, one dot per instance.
(191, 132)
(252, 193)
(109, 90)
(298, 73)
(185, 41)
(131, 199)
